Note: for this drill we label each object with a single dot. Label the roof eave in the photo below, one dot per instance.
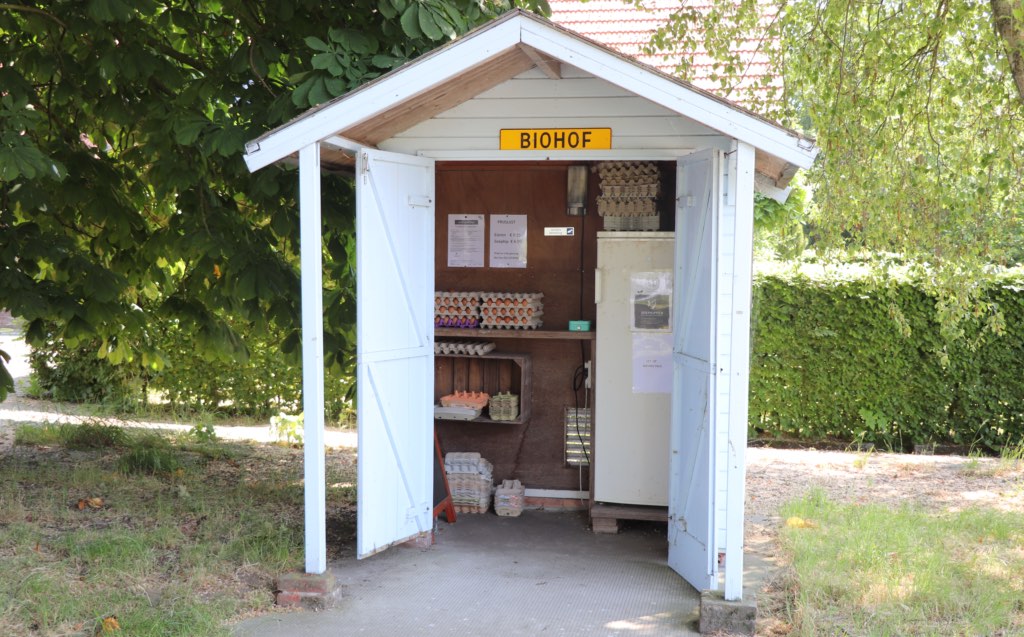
(509, 32)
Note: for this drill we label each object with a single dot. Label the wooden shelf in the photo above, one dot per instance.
(487, 421)
(566, 335)
(493, 372)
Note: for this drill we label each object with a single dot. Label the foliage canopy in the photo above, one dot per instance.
(918, 108)
(125, 206)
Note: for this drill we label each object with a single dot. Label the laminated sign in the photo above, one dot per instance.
(508, 241)
(651, 296)
(465, 241)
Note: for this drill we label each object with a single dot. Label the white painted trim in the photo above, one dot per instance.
(586, 155)
(341, 143)
(311, 237)
(557, 493)
(636, 79)
(742, 182)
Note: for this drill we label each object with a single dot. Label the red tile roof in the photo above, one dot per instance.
(628, 29)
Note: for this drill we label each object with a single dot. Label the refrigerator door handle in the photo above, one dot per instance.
(598, 293)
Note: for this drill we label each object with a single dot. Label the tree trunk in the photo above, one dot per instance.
(1011, 31)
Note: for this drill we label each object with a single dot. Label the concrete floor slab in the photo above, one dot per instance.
(540, 573)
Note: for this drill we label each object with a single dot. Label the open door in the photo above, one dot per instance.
(395, 371)
(691, 531)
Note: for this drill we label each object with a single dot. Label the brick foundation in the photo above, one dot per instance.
(308, 590)
(555, 504)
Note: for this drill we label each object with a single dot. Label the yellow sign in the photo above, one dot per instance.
(556, 139)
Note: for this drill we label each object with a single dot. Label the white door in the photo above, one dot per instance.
(395, 375)
(691, 511)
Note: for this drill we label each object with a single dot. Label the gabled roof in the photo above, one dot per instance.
(496, 52)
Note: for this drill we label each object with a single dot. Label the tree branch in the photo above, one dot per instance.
(181, 57)
(47, 14)
(252, 66)
(1012, 33)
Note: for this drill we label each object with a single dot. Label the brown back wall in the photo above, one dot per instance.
(560, 267)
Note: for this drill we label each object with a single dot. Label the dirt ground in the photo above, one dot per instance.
(933, 483)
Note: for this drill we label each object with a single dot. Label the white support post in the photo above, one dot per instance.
(741, 185)
(310, 237)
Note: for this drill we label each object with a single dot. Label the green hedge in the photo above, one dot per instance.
(850, 358)
(270, 381)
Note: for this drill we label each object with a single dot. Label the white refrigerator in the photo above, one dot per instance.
(633, 385)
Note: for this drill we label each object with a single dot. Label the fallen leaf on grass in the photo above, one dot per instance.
(800, 523)
(109, 625)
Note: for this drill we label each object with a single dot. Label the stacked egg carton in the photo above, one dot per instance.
(507, 310)
(509, 498)
(504, 406)
(465, 348)
(456, 309)
(470, 479)
(629, 195)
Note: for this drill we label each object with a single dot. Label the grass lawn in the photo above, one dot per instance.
(878, 570)
(114, 533)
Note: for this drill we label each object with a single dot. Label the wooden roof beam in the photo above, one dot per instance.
(442, 97)
(549, 66)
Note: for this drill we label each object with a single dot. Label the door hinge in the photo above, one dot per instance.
(414, 512)
(420, 201)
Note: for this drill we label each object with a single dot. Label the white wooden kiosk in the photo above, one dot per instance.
(430, 109)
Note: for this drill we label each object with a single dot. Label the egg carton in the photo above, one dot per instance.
(457, 321)
(462, 457)
(465, 508)
(511, 323)
(467, 462)
(463, 299)
(470, 494)
(509, 498)
(631, 190)
(457, 311)
(492, 311)
(634, 207)
(626, 172)
(512, 299)
(512, 310)
(503, 406)
(639, 222)
(466, 348)
(471, 399)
